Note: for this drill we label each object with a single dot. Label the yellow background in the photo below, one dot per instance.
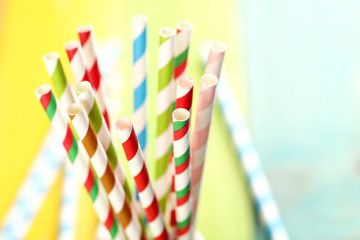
(29, 29)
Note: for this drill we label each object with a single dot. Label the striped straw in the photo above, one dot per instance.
(88, 100)
(87, 39)
(249, 159)
(181, 127)
(200, 135)
(77, 62)
(138, 169)
(182, 42)
(139, 27)
(102, 168)
(77, 156)
(215, 58)
(32, 193)
(70, 191)
(165, 106)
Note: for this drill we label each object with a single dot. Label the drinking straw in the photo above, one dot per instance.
(181, 127)
(102, 168)
(200, 134)
(182, 42)
(87, 39)
(77, 62)
(70, 191)
(165, 106)
(138, 169)
(88, 100)
(31, 195)
(250, 161)
(215, 58)
(184, 93)
(139, 29)
(76, 155)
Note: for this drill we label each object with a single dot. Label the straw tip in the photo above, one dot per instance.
(82, 86)
(43, 89)
(72, 45)
(185, 82)
(218, 47)
(180, 114)
(167, 32)
(123, 123)
(51, 56)
(209, 79)
(184, 25)
(139, 17)
(74, 109)
(85, 28)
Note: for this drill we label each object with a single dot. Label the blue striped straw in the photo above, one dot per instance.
(32, 192)
(249, 159)
(139, 26)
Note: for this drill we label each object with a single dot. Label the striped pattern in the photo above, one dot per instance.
(139, 28)
(70, 191)
(182, 43)
(77, 62)
(200, 134)
(88, 43)
(138, 169)
(184, 93)
(88, 100)
(76, 155)
(102, 168)
(32, 193)
(181, 127)
(165, 106)
(62, 88)
(250, 161)
(215, 58)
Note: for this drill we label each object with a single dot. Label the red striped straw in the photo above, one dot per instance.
(88, 43)
(138, 169)
(200, 134)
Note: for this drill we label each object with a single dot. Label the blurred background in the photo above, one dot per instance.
(295, 69)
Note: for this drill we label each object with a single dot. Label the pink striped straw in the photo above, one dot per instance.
(200, 135)
(138, 169)
(215, 58)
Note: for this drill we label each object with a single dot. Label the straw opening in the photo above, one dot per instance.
(181, 114)
(43, 89)
(184, 25)
(140, 17)
(74, 109)
(84, 28)
(123, 124)
(185, 82)
(51, 56)
(167, 32)
(209, 79)
(72, 45)
(82, 86)
(218, 47)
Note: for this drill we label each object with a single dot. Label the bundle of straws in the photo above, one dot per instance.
(79, 116)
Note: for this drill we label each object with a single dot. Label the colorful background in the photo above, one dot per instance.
(294, 65)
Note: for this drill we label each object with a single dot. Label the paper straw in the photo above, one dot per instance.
(138, 169)
(77, 156)
(184, 93)
(182, 42)
(165, 106)
(215, 58)
(87, 39)
(181, 126)
(77, 62)
(139, 29)
(33, 190)
(200, 134)
(88, 100)
(70, 191)
(102, 168)
(250, 161)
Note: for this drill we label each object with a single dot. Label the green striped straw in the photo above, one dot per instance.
(88, 100)
(165, 106)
